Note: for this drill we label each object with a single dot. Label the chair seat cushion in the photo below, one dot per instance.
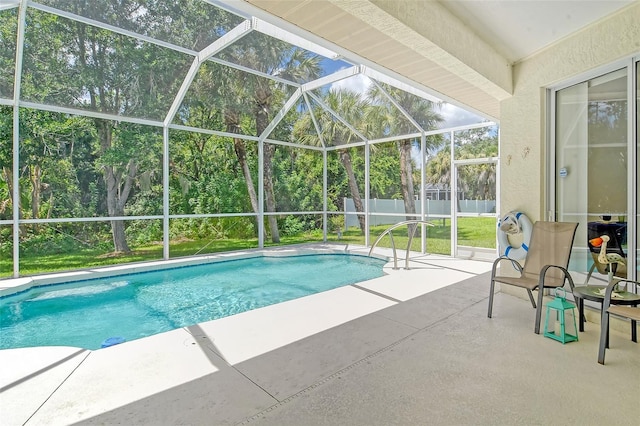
(625, 311)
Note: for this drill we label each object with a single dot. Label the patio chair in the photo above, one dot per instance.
(545, 265)
(627, 311)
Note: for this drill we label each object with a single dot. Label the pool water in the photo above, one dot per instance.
(85, 314)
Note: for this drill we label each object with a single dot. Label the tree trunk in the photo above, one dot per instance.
(269, 196)
(35, 176)
(116, 196)
(345, 158)
(262, 121)
(233, 126)
(119, 238)
(114, 208)
(406, 180)
(241, 153)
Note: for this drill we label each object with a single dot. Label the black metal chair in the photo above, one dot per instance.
(630, 311)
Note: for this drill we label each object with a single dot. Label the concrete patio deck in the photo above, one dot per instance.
(413, 347)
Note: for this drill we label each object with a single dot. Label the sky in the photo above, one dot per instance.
(453, 115)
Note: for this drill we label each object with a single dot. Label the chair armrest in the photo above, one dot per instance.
(543, 274)
(609, 292)
(514, 263)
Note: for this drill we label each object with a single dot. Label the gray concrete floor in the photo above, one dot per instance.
(434, 359)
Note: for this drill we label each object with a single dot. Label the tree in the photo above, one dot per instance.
(217, 99)
(232, 95)
(439, 168)
(71, 63)
(384, 179)
(119, 75)
(350, 106)
(6, 163)
(395, 123)
(8, 31)
(477, 181)
(47, 161)
(277, 58)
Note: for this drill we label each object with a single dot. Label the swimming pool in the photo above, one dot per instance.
(86, 313)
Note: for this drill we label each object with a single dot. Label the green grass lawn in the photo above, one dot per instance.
(472, 231)
(475, 232)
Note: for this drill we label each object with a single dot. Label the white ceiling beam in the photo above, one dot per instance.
(281, 34)
(315, 122)
(235, 34)
(112, 28)
(376, 75)
(186, 83)
(213, 132)
(226, 6)
(254, 72)
(460, 128)
(230, 37)
(331, 78)
(346, 145)
(89, 113)
(256, 20)
(245, 9)
(395, 138)
(294, 145)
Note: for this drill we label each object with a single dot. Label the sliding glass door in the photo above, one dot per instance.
(591, 170)
(636, 135)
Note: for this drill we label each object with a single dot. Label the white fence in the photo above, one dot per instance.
(385, 212)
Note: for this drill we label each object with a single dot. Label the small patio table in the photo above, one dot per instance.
(595, 293)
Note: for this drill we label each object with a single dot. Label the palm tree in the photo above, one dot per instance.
(275, 58)
(439, 168)
(232, 122)
(220, 91)
(231, 95)
(478, 180)
(395, 123)
(351, 106)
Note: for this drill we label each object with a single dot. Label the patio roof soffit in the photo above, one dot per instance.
(446, 40)
(421, 42)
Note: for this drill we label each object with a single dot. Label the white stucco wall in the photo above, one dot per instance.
(522, 125)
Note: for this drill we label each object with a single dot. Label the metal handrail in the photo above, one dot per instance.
(411, 233)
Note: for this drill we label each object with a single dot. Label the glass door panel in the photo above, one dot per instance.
(637, 169)
(591, 165)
